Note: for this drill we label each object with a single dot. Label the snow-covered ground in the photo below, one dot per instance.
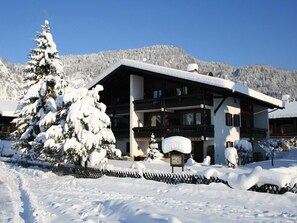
(36, 195)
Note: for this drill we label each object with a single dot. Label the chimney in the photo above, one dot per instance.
(193, 67)
(285, 99)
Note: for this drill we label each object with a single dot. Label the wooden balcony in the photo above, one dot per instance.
(118, 109)
(121, 133)
(257, 133)
(186, 131)
(171, 102)
(147, 104)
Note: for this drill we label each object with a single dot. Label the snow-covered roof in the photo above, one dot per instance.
(290, 111)
(8, 108)
(196, 77)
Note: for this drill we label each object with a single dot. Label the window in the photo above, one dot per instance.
(156, 120)
(153, 119)
(196, 117)
(236, 120)
(188, 118)
(207, 117)
(229, 144)
(198, 120)
(228, 119)
(157, 93)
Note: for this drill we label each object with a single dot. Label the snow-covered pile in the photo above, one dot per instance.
(231, 157)
(5, 148)
(257, 176)
(176, 143)
(36, 195)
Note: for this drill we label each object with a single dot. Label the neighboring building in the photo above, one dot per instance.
(7, 114)
(283, 123)
(142, 99)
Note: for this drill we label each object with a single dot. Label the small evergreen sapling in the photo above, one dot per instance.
(152, 151)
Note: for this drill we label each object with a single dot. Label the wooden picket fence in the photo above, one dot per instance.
(160, 176)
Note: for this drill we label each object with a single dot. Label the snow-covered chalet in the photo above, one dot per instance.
(142, 99)
(283, 123)
(7, 114)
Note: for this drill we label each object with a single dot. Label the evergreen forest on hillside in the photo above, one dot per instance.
(80, 69)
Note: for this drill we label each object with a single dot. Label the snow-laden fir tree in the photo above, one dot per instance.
(43, 82)
(57, 122)
(84, 129)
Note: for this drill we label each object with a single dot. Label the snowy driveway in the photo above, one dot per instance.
(33, 195)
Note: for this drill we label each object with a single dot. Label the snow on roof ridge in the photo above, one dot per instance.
(290, 111)
(196, 77)
(8, 107)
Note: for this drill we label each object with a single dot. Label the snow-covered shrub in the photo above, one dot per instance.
(113, 152)
(244, 151)
(138, 166)
(152, 151)
(271, 147)
(231, 157)
(97, 157)
(190, 161)
(206, 161)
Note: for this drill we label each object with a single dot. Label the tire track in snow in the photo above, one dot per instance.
(26, 214)
(30, 214)
(27, 209)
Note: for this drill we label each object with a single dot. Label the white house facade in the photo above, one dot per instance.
(142, 99)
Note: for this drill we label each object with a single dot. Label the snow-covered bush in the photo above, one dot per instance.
(244, 151)
(231, 157)
(271, 147)
(138, 166)
(206, 161)
(113, 152)
(97, 157)
(152, 151)
(190, 161)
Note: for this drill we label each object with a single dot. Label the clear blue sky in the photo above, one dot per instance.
(236, 32)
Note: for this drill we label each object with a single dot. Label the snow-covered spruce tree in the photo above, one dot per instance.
(86, 129)
(43, 82)
(57, 122)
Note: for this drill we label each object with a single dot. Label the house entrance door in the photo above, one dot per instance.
(210, 152)
(198, 151)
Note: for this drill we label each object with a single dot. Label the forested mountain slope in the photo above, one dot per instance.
(80, 69)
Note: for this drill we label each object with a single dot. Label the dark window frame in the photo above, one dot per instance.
(228, 119)
(236, 120)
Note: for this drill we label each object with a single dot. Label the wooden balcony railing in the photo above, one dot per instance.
(186, 131)
(170, 102)
(253, 133)
(118, 109)
(121, 132)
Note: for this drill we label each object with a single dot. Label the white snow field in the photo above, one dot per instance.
(37, 195)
